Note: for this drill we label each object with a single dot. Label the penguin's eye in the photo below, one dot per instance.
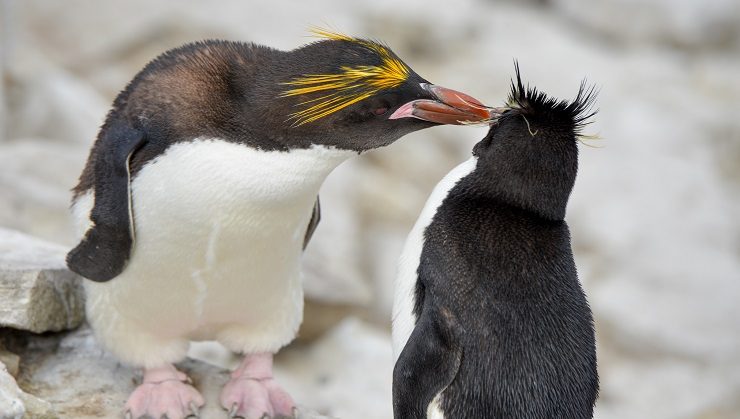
(380, 111)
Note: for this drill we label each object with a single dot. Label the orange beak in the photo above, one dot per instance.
(450, 107)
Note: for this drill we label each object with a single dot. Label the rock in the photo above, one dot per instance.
(11, 404)
(17, 404)
(37, 292)
(37, 408)
(346, 373)
(10, 360)
(81, 381)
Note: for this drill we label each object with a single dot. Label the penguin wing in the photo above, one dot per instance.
(104, 250)
(427, 364)
(315, 218)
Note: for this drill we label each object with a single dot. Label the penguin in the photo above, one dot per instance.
(200, 194)
(489, 318)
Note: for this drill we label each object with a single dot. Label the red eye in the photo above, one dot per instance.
(380, 111)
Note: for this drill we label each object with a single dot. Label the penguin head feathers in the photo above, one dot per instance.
(530, 155)
(355, 94)
(569, 117)
(347, 85)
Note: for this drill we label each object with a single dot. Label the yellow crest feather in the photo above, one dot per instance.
(349, 86)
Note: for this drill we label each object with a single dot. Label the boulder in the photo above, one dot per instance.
(17, 404)
(11, 405)
(11, 361)
(37, 292)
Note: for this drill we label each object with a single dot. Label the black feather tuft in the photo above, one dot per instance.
(531, 102)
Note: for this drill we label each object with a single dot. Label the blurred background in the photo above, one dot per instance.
(655, 214)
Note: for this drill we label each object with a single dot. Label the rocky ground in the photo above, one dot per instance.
(654, 214)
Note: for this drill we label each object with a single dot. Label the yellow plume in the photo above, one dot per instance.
(349, 86)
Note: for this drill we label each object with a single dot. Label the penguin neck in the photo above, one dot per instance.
(257, 176)
(543, 194)
(317, 161)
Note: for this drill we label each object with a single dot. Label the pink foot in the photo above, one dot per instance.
(164, 393)
(252, 393)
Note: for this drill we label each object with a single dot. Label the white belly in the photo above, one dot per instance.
(404, 296)
(219, 235)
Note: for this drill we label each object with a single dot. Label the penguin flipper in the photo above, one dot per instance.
(427, 364)
(104, 251)
(313, 223)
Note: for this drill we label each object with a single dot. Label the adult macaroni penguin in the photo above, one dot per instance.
(200, 194)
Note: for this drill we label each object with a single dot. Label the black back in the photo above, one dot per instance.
(499, 306)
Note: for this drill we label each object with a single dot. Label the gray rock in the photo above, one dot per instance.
(11, 361)
(17, 404)
(344, 374)
(11, 405)
(81, 381)
(37, 292)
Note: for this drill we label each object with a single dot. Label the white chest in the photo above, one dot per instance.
(214, 195)
(219, 235)
(215, 175)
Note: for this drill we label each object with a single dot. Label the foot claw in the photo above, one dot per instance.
(128, 415)
(195, 412)
(234, 409)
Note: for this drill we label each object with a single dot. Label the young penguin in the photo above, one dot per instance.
(489, 318)
(200, 194)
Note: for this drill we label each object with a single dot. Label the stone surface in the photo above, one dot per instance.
(81, 381)
(17, 404)
(37, 292)
(11, 361)
(11, 404)
(344, 374)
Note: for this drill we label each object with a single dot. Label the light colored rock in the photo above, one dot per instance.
(10, 360)
(17, 404)
(11, 403)
(37, 292)
(344, 374)
(37, 408)
(81, 381)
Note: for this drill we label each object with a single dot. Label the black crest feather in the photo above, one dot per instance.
(532, 103)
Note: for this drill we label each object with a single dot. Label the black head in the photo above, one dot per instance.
(530, 155)
(355, 94)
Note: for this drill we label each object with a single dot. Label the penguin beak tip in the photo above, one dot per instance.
(449, 107)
